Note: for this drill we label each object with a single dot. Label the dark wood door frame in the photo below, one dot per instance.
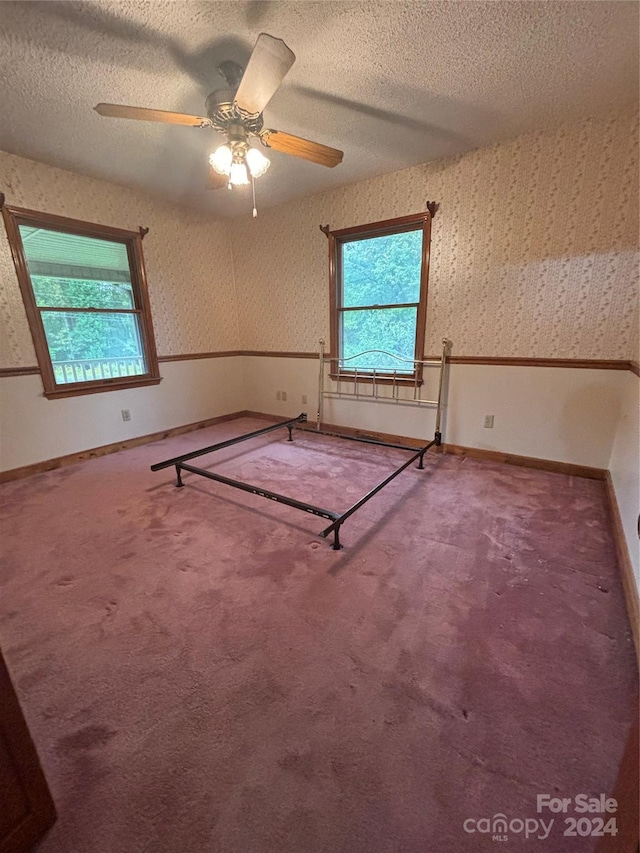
(27, 810)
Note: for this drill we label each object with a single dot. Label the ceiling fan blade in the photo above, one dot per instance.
(143, 114)
(268, 64)
(216, 181)
(299, 147)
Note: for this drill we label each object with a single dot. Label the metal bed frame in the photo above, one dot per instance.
(353, 378)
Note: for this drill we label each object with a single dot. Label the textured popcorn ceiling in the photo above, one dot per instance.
(393, 84)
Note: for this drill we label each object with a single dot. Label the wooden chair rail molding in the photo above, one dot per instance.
(579, 363)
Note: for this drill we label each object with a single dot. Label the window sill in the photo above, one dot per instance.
(381, 379)
(75, 390)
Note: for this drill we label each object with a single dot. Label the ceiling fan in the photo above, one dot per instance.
(236, 112)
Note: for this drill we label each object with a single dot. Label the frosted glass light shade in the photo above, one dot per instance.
(221, 159)
(238, 174)
(257, 162)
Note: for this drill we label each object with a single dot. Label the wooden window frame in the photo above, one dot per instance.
(16, 216)
(414, 222)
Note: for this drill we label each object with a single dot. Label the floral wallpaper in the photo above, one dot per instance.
(534, 250)
(187, 256)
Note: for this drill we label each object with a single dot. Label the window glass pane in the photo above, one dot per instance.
(68, 270)
(86, 347)
(382, 270)
(391, 329)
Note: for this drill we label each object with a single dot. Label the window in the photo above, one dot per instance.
(378, 276)
(85, 295)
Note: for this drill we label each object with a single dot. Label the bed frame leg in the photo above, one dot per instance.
(421, 461)
(336, 546)
(179, 482)
(438, 438)
(290, 428)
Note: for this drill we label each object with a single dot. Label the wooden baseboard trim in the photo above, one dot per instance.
(105, 449)
(624, 562)
(344, 430)
(527, 461)
(458, 450)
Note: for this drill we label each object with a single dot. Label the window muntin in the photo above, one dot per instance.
(84, 291)
(380, 285)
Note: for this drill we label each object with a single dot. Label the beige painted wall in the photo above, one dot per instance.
(534, 248)
(565, 414)
(33, 428)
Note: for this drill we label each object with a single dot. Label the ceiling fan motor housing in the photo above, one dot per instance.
(224, 113)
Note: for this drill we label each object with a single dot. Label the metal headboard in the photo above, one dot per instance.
(348, 383)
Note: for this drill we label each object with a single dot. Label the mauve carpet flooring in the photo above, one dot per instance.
(202, 674)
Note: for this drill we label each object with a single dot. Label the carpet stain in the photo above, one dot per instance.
(408, 695)
(209, 598)
(300, 764)
(86, 738)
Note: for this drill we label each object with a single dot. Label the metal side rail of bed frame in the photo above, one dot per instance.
(230, 442)
(335, 526)
(337, 519)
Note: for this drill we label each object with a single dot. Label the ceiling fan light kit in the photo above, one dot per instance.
(221, 159)
(238, 175)
(234, 157)
(236, 112)
(257, 162)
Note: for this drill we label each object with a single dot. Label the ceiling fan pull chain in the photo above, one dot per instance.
(253, 189)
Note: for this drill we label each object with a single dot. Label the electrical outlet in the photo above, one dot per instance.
(278, 395)
(126, 414)
(488, 421)
(304, 399)
(284, 396)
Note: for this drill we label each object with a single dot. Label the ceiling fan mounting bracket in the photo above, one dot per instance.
(231, 73)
